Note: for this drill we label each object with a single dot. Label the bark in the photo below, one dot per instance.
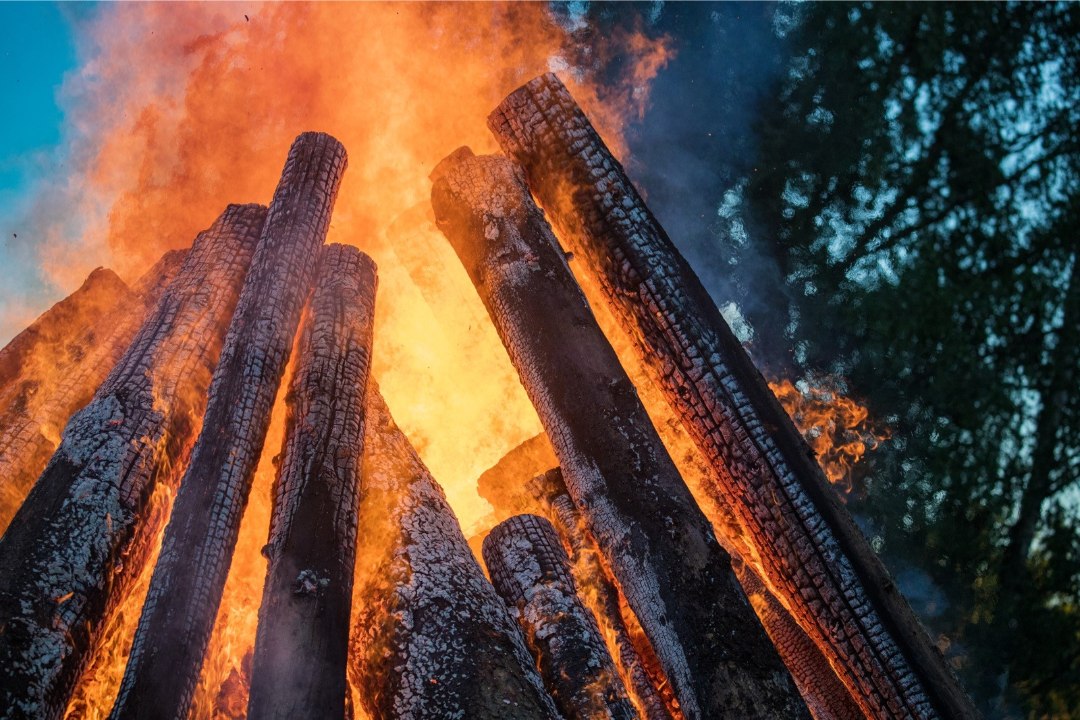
(432, 639)
(531, 571)
(825, 695)
(815, 558)
(182, 602)
(312, 546)
(80, 538)
(639, 665)
(53, 368)
(658, 544)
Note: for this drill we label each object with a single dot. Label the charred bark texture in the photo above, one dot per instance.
(303, 636)
(658, 544)
(825, 695)
(182, 602)
(432, 638)
(531, 571)
(550, 491)
(53, 368)
(814, 555)
(80, 538)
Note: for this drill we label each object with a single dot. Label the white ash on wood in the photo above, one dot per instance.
(81, 535)
(299, 666)
(431, 637)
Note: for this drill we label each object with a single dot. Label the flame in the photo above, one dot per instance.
(178, 109)
(838, 429)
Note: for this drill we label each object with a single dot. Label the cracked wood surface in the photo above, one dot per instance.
(80, 537)
(185, 591)
(815, 558)
(531, 571)
(53, 368)
(307, 596)
(639, 664)
(659, 546)
(431, 637)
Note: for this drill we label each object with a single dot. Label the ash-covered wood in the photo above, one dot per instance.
(80, 538)
(431, 637)
(182, 602)
(530, 570)
(303, 636)
(549, 490)
(658, 544)
(825, 695)
(814, 557)
(53, 368)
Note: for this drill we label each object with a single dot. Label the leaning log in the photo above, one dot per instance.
(84, 531)
(639, 664)
(185, 590)
(432, 638)
(814, 556)
(530, 570)
(53, 368)
(658, 544)
(825, 695)
(307, 596)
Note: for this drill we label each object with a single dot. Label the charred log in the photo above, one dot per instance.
(182, 602)
(658, 544)
(432, 639)
(312, 547)
(531, 571)
(815, 557)
(826, 696)
(53, 368)
(639, 664)
(85, 529)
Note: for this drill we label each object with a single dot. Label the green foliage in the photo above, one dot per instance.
(919, 187)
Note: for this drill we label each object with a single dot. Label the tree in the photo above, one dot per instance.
(918, 184)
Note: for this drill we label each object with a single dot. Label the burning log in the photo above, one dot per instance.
(431, 637)
(79, 539)
(312, 546)
(814, 556)
(178, 616)
(658, 544)
(531, 571)
(826, 696)
(52, 369)
(550, 490)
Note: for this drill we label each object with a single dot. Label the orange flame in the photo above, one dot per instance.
(837, 428)
(179, 109)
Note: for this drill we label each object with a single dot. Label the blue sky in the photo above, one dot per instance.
(37, 47)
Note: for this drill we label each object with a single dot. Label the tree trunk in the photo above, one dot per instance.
(79, 539)
(312, 547)
(53, 368)
(432, 639)
(639, 665)
(531, 571)
(182, 602)
(659, 545)
(815, 557)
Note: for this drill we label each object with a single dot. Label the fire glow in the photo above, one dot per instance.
(437, 359)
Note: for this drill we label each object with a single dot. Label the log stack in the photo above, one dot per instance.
(178, 616)
(621, 604)
(84, 530)
(660, 547)
(814, 556)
